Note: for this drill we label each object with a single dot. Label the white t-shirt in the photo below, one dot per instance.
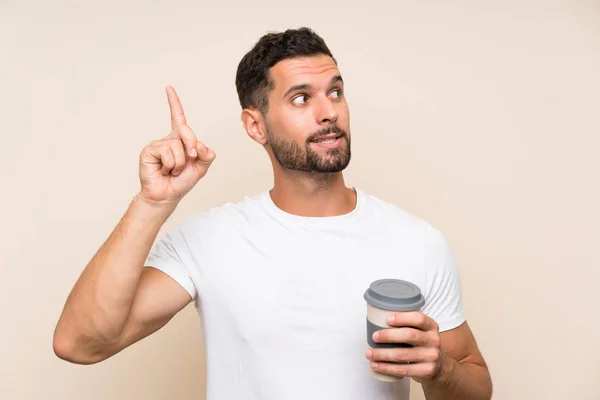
(280, 296)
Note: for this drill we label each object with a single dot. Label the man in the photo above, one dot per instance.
(278, 277)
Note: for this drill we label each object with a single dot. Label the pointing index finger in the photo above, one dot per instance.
(177, 115)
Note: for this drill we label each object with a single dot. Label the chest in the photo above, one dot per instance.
(304, 288)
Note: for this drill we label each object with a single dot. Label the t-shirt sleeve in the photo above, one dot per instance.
(443, 296)
(172, 254)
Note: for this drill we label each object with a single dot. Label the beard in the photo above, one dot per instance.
(295, 157)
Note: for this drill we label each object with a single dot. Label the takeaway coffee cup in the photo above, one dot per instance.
(384, 297)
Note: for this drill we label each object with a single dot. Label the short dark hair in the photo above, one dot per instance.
(253, 81)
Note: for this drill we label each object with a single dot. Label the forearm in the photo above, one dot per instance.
(99, 303)
(465, 381)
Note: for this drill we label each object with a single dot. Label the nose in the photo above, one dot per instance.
(326, 112)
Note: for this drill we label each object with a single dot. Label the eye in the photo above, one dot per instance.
(301, 99)
(337, 93)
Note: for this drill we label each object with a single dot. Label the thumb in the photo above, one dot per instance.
(206, 155)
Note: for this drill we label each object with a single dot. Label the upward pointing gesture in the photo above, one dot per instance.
(171, 167)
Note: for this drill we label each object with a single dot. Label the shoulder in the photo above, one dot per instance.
(247, 206)
(393, 216)
(392, 213)
(219, 216)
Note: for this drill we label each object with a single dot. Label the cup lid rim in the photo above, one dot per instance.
(394, 294)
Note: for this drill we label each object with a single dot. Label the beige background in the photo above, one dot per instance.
(480, 117)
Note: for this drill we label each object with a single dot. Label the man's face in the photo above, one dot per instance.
(308, 121)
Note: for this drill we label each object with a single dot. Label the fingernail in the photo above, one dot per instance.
(193, 153)
(390, 319)
(375, 366)
(369, 354)
(376, 336)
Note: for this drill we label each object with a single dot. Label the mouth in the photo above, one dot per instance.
(327, 139)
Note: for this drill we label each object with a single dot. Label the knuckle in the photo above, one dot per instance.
(400, 369)
(436, 341)
(176, 145)
(166, 157)
(411, 334)
(399, 355)
(426, 355)
(167, 162)
(430, 369)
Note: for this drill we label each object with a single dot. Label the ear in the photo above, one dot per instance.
(252, 119)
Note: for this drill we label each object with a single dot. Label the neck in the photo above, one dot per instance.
(312, 194)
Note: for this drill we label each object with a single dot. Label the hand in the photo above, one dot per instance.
(171, 167)
(421, 362)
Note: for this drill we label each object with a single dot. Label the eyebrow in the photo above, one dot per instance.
(306, 86)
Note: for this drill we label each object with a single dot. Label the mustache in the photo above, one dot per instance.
(327, 131)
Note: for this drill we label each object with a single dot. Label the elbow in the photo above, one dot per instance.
(487, 385)
(63, 349)
(490, 389)
(69, 349)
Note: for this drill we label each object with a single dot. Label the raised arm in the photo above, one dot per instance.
(116, 301)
